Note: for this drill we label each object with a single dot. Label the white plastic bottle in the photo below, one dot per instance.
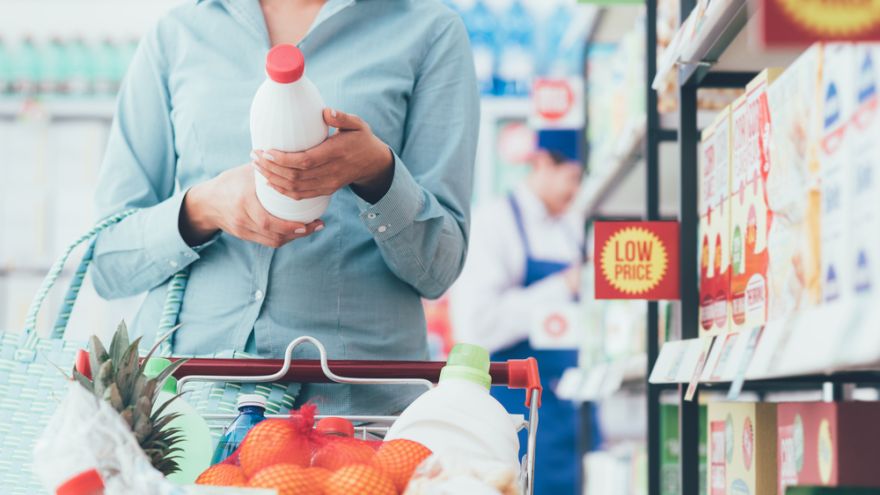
(458, 417)
(286, 115)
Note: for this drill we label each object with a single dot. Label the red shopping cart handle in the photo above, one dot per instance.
(515, 373)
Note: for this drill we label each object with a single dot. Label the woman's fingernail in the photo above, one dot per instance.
(333, 112)
(254, 156)
(269, 157)
(319, 228)
(301, 230)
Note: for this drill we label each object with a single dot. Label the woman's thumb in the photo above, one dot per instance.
(341, 120)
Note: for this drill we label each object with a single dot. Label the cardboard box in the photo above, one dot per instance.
(749, 211)
(715, 227)
(742, 448)
(792, 187)
(670, 451)
(828, 443)
(838, 104)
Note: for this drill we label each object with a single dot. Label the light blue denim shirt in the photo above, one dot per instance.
(405, 67)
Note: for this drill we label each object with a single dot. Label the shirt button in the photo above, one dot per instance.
(382, 229)
(371, 216)
(187, 255)
(258, 295)
(173, 264)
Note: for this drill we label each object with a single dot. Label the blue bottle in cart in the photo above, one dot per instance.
(251, 410)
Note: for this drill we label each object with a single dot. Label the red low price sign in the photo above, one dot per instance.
(801, 22)
(636, 260)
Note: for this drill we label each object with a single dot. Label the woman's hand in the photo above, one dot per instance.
(353, 156)
(229, 203)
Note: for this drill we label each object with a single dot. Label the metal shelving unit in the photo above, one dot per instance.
(693, 75)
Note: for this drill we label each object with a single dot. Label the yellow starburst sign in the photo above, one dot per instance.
(804, 21)
(636, 260)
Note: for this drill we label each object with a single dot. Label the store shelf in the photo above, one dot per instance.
(622, 157)
(90, 108)
(603, 380)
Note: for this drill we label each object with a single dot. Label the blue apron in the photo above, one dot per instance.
(556, 458)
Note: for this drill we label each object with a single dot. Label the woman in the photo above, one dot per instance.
(399, 82)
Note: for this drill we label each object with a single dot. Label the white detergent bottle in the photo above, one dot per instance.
(458, 417)
(286, 115)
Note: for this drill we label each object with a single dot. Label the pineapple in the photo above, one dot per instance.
(118, 378)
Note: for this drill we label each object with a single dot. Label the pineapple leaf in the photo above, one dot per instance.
(103, 378)
(84, 381)
(158, 412)
(128, 372)
(170, 370)
(119, 344)
(128, 416)
(115, 398)
(159, 340)
(97, 355)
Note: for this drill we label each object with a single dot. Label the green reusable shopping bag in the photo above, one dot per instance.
(32, 381)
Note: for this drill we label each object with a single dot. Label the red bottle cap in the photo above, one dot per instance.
(335, 426)
(285, 63)
(85, 483)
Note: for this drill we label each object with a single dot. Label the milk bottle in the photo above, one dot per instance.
(286, 115)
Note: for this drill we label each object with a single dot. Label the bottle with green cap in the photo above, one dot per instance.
(196, 446)
(458, 417)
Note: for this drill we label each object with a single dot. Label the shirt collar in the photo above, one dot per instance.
(531, 204)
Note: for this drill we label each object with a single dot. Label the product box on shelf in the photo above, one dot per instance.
(828, 443)
(835, 157)
(714, 227)
(742, 448)
(792, 186)
(670, 452)
(864, 158)
(749, 214)
(827, 490)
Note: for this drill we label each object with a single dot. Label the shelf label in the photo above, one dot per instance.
(636, 260)
(799, 22)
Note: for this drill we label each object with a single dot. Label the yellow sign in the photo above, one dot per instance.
(634, 260)
(825, 451)
(833, 17)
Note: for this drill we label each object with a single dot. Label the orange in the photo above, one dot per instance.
(222, 475)
(399, 459)
(359, 479)
(343, 452)
(320, 475)
(273, 441)
(287, 479)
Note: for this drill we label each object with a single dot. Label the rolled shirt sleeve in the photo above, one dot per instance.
(138, 171)
(421, 224)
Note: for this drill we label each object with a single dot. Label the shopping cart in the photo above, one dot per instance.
(517, 374)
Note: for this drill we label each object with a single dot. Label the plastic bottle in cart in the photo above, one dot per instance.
(287, 115)
(196, 442)
(516, 65)
(458, 417)
(251, 410)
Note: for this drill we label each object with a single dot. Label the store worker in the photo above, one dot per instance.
(398, 80)
(525, 253)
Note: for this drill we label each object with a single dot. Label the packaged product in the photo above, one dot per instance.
(835, 158)
(793, 186)
(750, 217)
(742, 448)
(864, 158)
(827, 443)
(715, 227)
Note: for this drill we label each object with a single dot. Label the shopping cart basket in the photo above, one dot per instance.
(515, 374)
